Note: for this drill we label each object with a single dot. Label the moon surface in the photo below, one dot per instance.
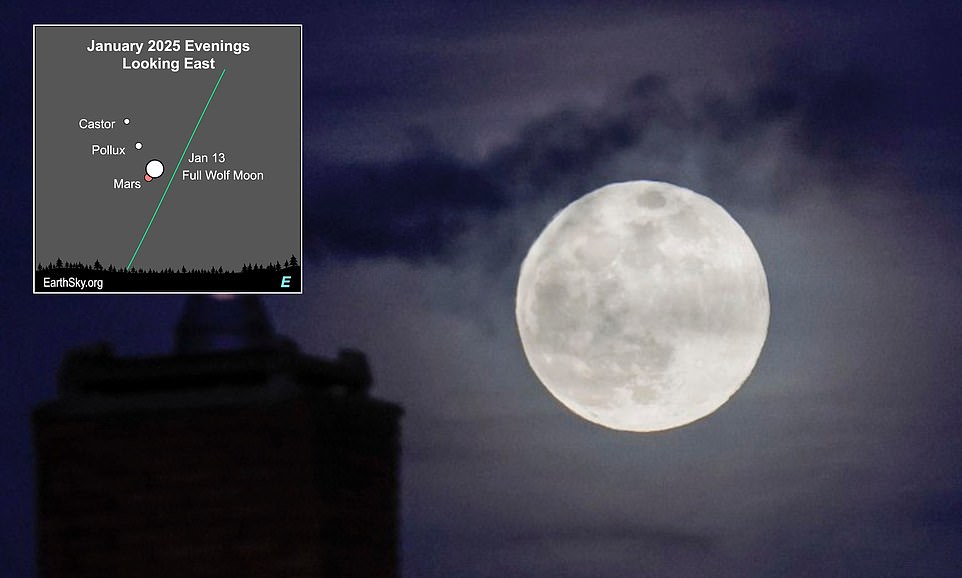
(642, 306)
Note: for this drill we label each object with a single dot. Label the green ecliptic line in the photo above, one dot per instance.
(174, 173)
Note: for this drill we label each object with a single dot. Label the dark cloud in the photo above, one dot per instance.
(410, 209)
(414, 208)
(578, 141)
(753, 147)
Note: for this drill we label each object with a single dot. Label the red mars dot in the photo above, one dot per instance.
(147, 178)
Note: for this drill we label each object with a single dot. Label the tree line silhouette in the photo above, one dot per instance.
(214, 270)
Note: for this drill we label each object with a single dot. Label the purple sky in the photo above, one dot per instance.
(439, 140)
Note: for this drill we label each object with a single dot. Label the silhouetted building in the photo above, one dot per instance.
(238, 456)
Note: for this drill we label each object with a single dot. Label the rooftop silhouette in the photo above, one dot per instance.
(238, 455)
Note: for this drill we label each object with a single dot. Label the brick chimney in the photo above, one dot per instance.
(238, 456)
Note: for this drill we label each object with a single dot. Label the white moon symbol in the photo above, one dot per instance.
(642, 306)
(154, 168)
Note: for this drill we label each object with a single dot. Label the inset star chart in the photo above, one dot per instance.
(167, 159)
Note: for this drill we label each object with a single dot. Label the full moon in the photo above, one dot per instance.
(642, 306)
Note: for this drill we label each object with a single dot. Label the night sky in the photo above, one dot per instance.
(440, 138)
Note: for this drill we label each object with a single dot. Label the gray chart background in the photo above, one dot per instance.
(254, 118)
